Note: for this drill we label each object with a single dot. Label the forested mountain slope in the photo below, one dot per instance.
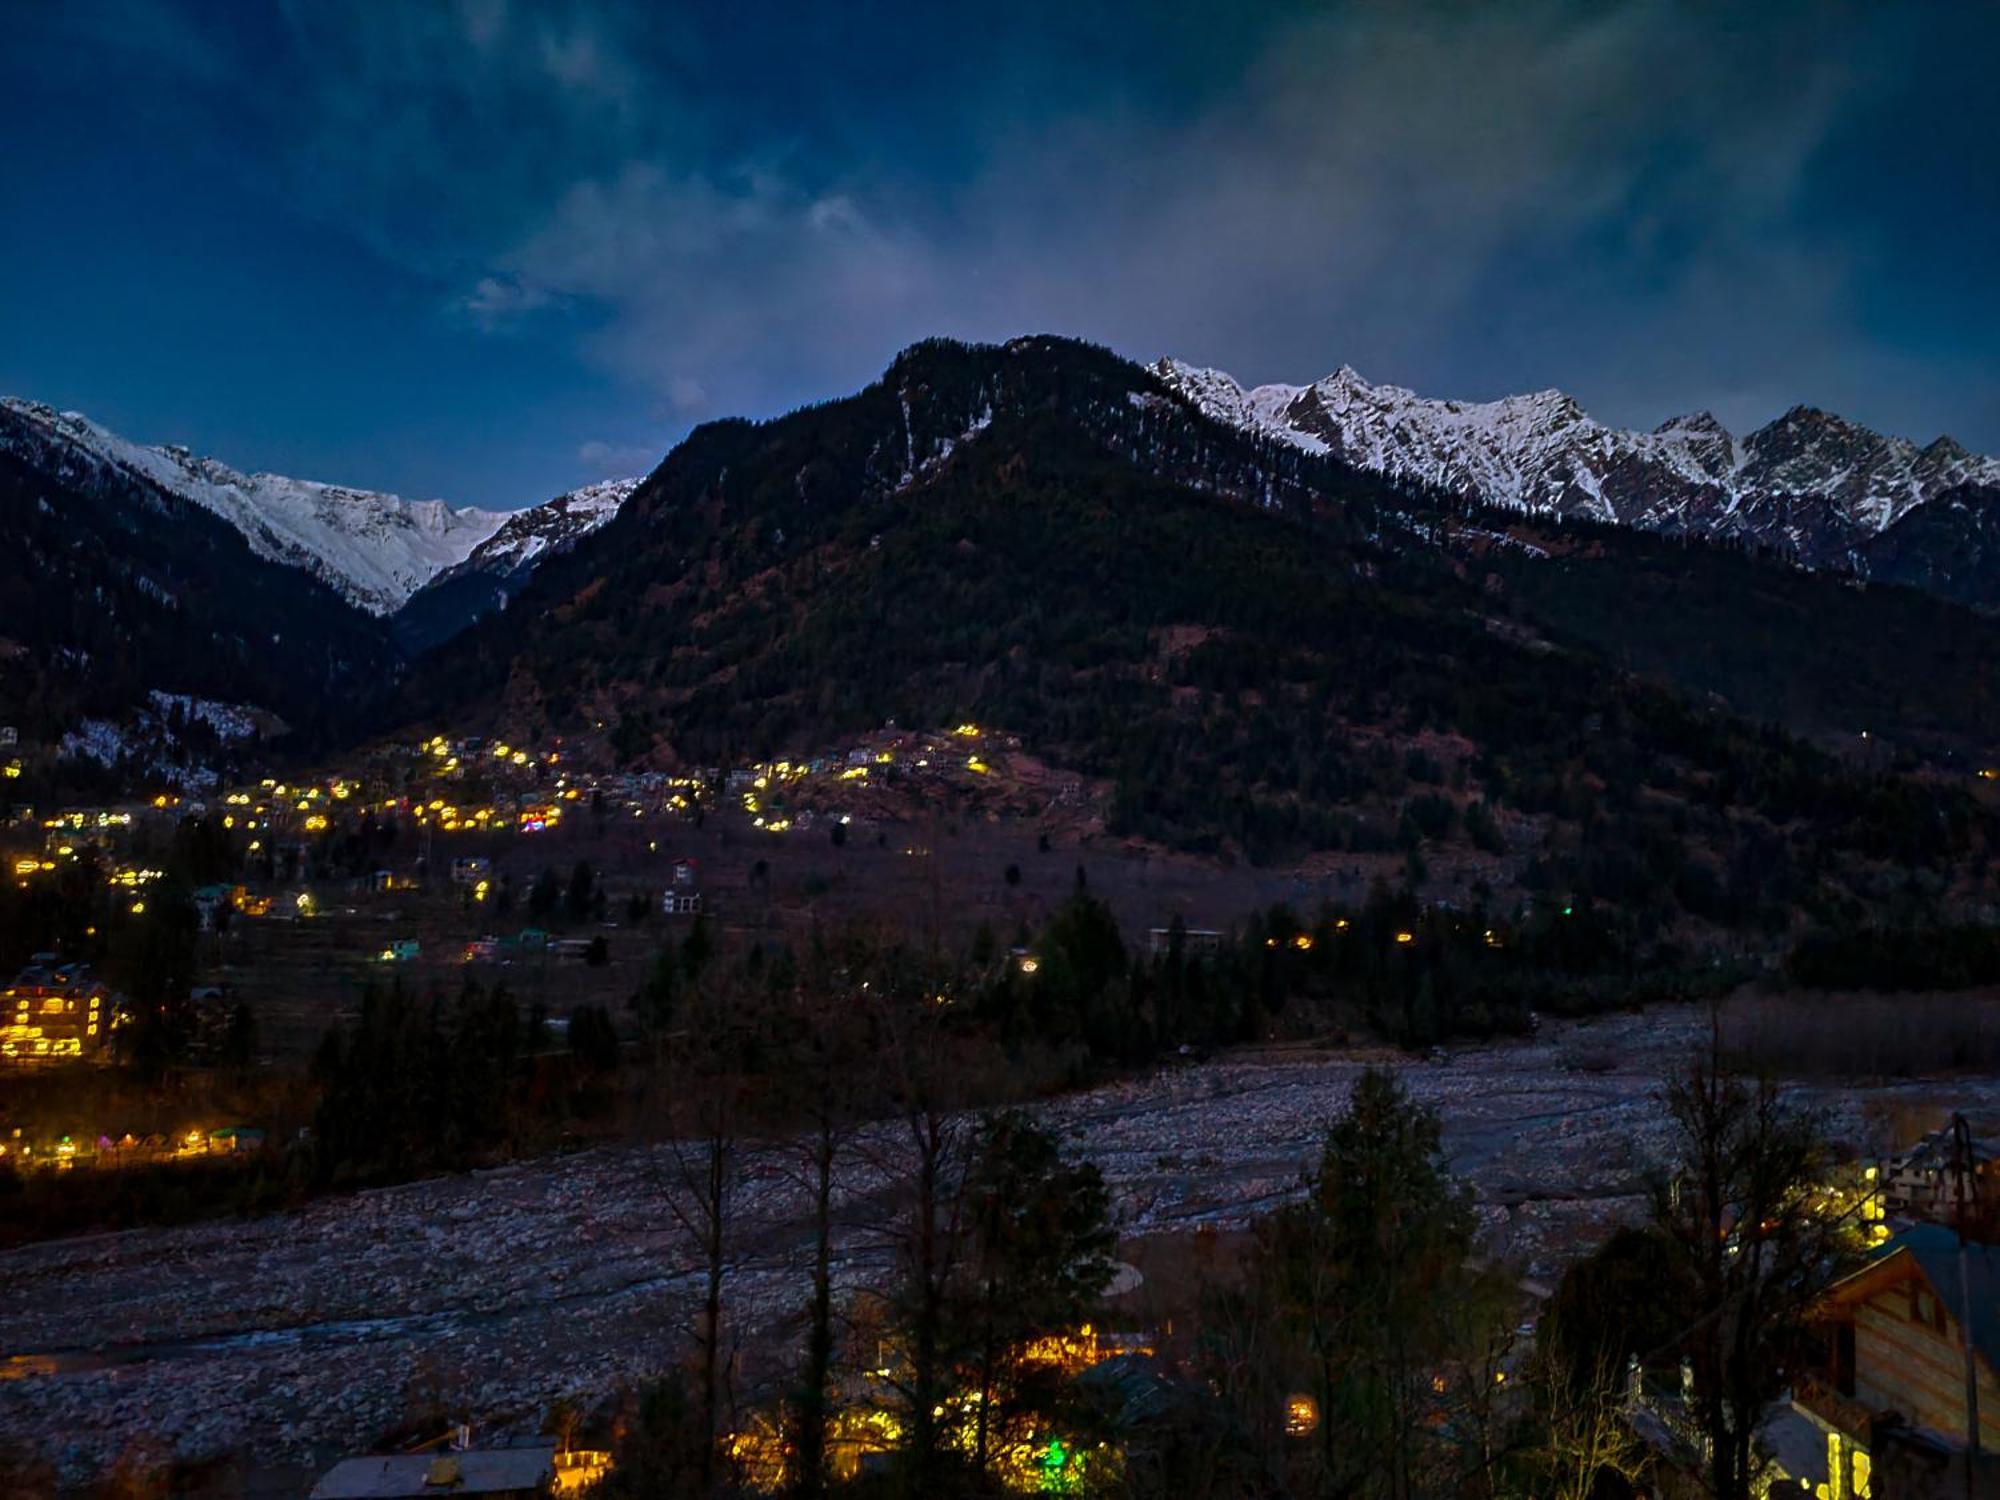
(1266, 652)
(112, 588)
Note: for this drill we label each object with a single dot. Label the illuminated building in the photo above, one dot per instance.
(51, 1023)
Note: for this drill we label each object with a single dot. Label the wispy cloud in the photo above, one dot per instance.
(616, 460)
(1643, 206)
(499, 303)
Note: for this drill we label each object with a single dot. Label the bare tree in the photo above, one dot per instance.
(933, 1245)
(924, 1151)
(1483, 1405)
(1754, 1245)
(1250, 1350)
(704, 1108)
(1584, 1420)
(826, 1049)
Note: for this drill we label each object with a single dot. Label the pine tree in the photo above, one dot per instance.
(1371, 1281)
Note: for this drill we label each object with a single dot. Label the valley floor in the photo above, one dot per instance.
(298, 1337)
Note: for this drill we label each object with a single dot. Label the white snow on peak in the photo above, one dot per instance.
(1219, 396)
(527, 534)
(1543, 452)
(375, 549)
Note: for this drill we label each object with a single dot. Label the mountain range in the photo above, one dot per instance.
(376, 550)
(1810, 484)
(132, 575)
(115, 589)
(717, 608)
(1821, 489)
(1251, 650)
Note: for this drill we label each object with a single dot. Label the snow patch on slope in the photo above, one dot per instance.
(230, 721)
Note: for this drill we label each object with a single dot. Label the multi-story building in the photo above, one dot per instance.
(52, 1022)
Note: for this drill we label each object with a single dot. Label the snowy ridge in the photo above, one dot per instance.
(374, 549)
(498, 567)
(1809, 480)
(526, 535)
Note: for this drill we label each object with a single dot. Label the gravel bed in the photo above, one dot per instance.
(299, 1336)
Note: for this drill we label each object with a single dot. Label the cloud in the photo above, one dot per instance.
(1622, 200)
(1394, 191)
(712, 283)
(498, 303)
(1362, 195)
(433, 132)
(686, 395)
(616, 460)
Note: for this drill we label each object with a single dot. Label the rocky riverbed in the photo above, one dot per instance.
(301, 1335)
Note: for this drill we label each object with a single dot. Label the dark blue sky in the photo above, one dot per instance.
(488, 250)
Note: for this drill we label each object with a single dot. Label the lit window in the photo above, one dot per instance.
(1301, 1416)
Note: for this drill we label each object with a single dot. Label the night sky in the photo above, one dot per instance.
(487, 251)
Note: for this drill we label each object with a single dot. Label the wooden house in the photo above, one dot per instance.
(1921, 1181)
(1891, 1399)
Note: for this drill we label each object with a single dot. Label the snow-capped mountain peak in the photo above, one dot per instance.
(494, 571)
(1810, 481)
(1692, 422)
(526, 535)
(375, 549)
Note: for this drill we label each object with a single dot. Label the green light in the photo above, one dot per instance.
(1057, 1456)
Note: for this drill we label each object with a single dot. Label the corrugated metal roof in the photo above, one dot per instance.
(1936, 1250)
(401, 1476)
(1933, 1250)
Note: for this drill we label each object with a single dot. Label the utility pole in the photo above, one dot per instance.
(1961, 1165)
(937, 887)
